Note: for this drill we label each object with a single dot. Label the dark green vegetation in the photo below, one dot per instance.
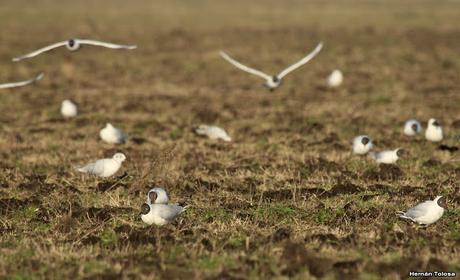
(286, 198)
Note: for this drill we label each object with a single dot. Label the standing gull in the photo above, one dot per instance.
(68, 109)
(335, 79)
(104, 167)
(426, 212)
(272, 82)
(73, 45)
(433, 131)
(113, 135)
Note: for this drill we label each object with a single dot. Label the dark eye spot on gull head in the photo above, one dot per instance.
(153, 196)
(145, 209)
(442, 202)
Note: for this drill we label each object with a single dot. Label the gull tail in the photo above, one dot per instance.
(403, 215)
(82, 169)
(185, 208)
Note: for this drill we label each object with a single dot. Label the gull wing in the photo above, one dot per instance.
(105, 44)
(40, 51)
(418, 210)
(301, 62)
(170, 211)
(244, 67)
(94, 168)
(22, 83)
(89, 168)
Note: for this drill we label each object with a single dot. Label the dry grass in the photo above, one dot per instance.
(286, 198)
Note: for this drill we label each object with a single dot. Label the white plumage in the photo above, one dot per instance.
(433, 131)
(212, 132)
(387, 157)
(157, 195)
(335, 79)
(68, 109)
(73, 45)
(159, 212)
(272, 82)
(22, 83)
(113, 135)
(412, 127)
(362, 145)
(104, 167)
(424, 213)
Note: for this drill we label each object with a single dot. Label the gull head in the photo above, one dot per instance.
(441, 201)
(157, 195)
(109, 125)
(412, 127)
(272, 83)
(433, 122)
(145, 209)
(67, 102)
(362, 144)
(400, 152)
(119, 157)
(365, 140)
(73, 44)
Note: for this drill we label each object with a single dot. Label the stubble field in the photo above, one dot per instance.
(285, 199)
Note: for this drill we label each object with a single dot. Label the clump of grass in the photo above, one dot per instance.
(176, 134)
(108, 238)
(325, 216)
(214, 262)
(217, 214)
(281, 213)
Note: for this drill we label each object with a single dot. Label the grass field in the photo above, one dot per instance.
(286, 199)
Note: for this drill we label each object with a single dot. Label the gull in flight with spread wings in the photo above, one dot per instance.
(73, 45)
(22, 83)
(272, 82)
